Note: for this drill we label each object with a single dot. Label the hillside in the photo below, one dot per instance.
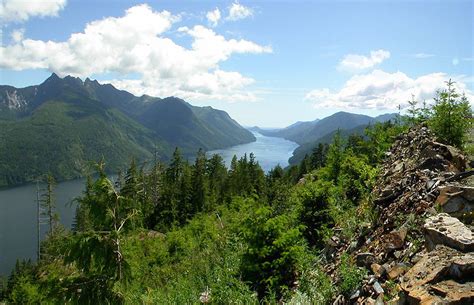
(305, 149)
(383, 238)
(65, 124)
(420, 249)
(307, 132)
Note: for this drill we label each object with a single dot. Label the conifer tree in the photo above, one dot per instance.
(217, 175)
(452, 116)
(200, 187)
(318, 156)
(48, 204)
(335, 156)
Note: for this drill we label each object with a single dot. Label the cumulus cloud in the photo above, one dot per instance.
(237, 11)
(214, 16)
(22, 10)
(354, 62)
(384, 91)
(136, 44)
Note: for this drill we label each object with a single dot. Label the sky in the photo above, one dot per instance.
(267, 63)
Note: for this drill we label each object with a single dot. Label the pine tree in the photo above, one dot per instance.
(413, 111)
(97, 252)
(184, 209)
(48, 204)
(334, 156)
(217, 175)
(451, 117)
(318, 156)
(257, 176)
(200, 182)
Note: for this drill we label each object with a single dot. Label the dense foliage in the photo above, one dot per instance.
(198, 232)
(189, 231)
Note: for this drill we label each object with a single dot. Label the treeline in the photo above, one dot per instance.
(198, 232)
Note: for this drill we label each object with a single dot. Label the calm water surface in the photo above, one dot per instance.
(18, 204)
(18, 219)
(269, 151)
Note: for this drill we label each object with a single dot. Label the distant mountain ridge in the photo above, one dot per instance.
(63, 123)
(307, 132)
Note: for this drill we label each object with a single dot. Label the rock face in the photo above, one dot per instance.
(441, 277)
(443, 229)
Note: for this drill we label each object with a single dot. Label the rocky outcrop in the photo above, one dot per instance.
(442, 276)
(456, 199)
(429, 256)
(443, 229)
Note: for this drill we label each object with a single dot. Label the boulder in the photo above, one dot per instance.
(442, 276)
(456, 199)
(395, 239)
(365, 259)
(378, 270)
(443, 229)
(397, 270)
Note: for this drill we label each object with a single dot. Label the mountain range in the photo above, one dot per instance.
(63, 124)
(309, 134)
(306, 132)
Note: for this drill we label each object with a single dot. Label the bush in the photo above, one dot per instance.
(275, 249)
(351, 275)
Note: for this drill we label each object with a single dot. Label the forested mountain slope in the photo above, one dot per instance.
(307, 132)
(64, 124)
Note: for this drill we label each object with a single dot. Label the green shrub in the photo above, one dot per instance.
(351, 276)
(275, 249)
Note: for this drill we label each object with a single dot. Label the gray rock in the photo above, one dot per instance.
(456, 199)
(443, 229)
(378, 289)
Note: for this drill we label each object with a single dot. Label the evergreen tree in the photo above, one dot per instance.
(335, 156)
(97, 253)
(413, 111)
(48, 204)
(256, 176)
(200, 188)
(451, 117)
(318, 156)
(232, 182)
(184, 209)
(217, 175)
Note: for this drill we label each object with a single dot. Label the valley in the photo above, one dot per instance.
(236, 152)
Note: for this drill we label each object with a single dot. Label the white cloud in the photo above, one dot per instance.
(384, 91)
(354, 62)
(237, 11)
(214, 16)
(17, 35)
(136, 44)
(423, 55)
(22, 10)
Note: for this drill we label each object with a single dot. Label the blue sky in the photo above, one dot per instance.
(267, 63)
